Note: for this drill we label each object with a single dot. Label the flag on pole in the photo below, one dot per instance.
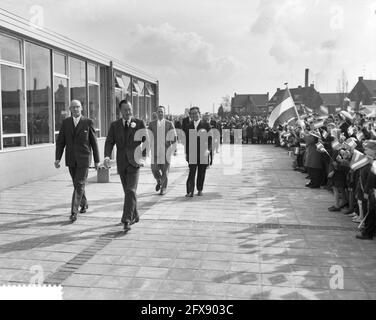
(324, 110)
(284, 111)
(336, 145)
(318, 124)
(359, 160)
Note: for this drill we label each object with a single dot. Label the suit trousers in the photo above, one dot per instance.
(370, 221)
(201, 172)
(129, 179)
(79, 176)
(160, 173)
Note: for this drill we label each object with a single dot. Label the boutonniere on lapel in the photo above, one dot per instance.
(133, 125)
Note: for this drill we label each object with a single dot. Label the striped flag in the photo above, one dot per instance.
(284, 111)
(351, 143)
(336, 145)
(360, 136)
(324, 110)
(359, 160)
(318, 125)
(373, 168)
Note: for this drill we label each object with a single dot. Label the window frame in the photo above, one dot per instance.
(98, 85)
(23, 109)
(59, 75)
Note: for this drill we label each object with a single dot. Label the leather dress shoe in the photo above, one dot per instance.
(163, 192)
(334, 209)
(137, 219)
(84, 208)
(189, 195)
(308, 185)
(73, 217)
(127, 227)
(158, 187)
(362, 236)
(199, 193)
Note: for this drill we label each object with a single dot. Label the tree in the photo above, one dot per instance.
(342, 88)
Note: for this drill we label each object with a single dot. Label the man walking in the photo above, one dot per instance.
(161, 151)
(198, 147)
(77, 137)
(122, 133)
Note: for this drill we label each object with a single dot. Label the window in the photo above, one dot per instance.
(61, 94)
(10, 49)
(136, 91)
(38, 94)
(148, 101)
(60, 63)
(141, 101)
(78, 81)
(94, 106)
(13, 107)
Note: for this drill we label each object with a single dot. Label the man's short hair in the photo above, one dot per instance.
(124, 101)
(164, 109)
(193, 108)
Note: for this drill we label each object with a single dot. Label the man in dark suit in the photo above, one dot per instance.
(198, 147)
(123, 133)
(162, 130)
(77, 137)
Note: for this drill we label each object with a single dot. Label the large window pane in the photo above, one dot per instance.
(10, 49)
(61, 101)
(13, 142)
(78, 81)
(92, 71)
(12, 95)
(38, 94)
(60, 63)
(135, 105)
(94, 112)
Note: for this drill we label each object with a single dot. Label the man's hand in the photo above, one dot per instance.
(365, 196)
(106, 163)
(57, 164)
(96, 165)
(142, 163)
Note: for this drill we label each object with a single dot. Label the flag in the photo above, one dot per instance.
(320, 147)
(284, 111)
(318, 124)
(336, 145)
(351, 143)
(350, 131)
(324, 110)
(359, 160)
(373, 169)
(324, 134)
(360, 136)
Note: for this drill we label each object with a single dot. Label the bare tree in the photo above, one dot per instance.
(342, 88)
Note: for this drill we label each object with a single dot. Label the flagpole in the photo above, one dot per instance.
(296, 110)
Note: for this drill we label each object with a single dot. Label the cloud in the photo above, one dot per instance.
(165, 47)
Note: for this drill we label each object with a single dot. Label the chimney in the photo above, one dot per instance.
(360, 78)
(306, 77)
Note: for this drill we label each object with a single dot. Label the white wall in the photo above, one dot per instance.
(21, 166)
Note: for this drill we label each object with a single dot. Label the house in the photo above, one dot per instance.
(363, 93)
(333, 101)
(250, 104)
(306, 96)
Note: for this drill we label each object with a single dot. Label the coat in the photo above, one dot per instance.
(78, 143)
(124, 139)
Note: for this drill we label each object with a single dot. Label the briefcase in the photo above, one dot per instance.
(103, 175)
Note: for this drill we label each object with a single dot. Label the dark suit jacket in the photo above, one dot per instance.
(203, 125)
(153, 127)
(78, 143)
(185, 124)
(125, 143)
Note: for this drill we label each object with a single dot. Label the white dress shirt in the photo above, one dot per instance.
(76, 120)
(128, 122)
(161, 122)
(196, 123)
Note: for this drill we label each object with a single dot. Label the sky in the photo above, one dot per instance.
(203, 50)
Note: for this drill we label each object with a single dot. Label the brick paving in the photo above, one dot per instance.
(256, 234)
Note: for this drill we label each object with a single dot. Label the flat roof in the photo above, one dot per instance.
(16, 24)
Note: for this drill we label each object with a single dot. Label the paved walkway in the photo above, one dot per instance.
(256, 234)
